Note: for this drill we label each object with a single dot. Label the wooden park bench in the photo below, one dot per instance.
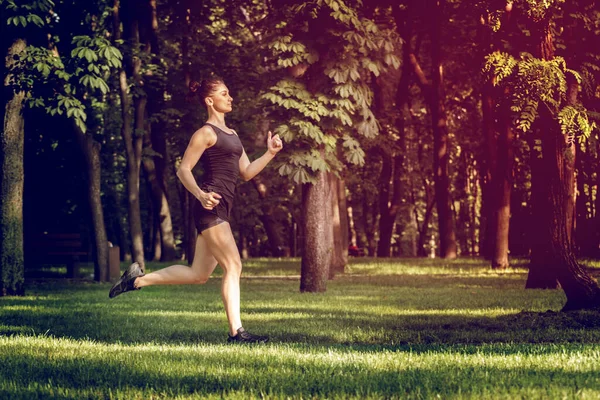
(67, 249)
(57, 248)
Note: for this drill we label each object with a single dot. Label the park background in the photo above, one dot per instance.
(439, 158)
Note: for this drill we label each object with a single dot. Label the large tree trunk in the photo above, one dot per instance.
(539, 276)
(558, 158)
(318, 235)
(90, 150)
(441, 153)
(581, 290)
(269, 223)
(11, 183)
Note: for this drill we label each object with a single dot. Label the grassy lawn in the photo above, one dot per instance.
(403, 328)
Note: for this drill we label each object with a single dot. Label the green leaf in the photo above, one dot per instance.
(90, 56)
(81, 125)
(85, 80)
(35, 19)
(285, 170)
(300, 176)
(103, 86)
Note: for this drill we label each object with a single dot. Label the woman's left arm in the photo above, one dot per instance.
(249, 170)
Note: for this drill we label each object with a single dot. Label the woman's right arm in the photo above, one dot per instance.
(200, 141)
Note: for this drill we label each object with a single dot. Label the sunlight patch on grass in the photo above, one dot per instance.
(298, 370)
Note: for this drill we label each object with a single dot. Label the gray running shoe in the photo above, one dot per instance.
(243, 336)
(127, 280)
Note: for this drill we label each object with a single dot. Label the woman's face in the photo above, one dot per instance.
(220, 99)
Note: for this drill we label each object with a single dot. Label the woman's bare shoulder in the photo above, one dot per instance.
(204, 135)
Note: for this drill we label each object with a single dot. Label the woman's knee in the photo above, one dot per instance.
(200, 280)
(233, 267)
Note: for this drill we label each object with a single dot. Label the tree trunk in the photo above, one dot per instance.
(558, 158)
(488, 166)
(318, 235)
(389, 211)
(162, 211)
(390, 178)
(596, 217)
(370, 227)
(133, 143)
(424, 231)
(351, 227)
(414, 231)
(159, 144)
(90, 150)
(269, 223)
(474, 208)
(581, 290)
(187, 200)
(12, 142)
(583, 229)
(441, 153)
(156, 141)
(344, 224)
(190, 228)
(502, 183)
(386, 224)
(339, 257)
(156, 238)
(539, 276)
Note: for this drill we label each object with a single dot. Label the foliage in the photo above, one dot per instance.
(317, 64)
(61, 89)
(531, 82)
(25, 13)
(326, 103)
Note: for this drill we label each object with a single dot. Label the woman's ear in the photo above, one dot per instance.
(208, 101)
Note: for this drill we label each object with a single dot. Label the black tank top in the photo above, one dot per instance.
(220, 163)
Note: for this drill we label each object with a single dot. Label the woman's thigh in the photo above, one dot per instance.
(221, 243)
(204, 262)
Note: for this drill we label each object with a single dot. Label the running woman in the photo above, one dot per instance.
(223, 158)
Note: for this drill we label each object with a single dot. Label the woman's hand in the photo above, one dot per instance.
(274, 144)
(209, 200)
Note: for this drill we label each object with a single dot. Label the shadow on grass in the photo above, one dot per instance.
(197, 372)
(144, 318)
(388, 311)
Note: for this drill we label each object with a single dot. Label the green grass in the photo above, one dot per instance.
(400, 328)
